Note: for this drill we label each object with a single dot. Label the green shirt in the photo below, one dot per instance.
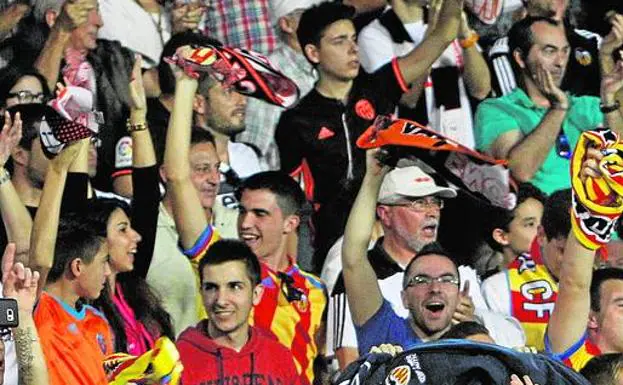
(516, 111)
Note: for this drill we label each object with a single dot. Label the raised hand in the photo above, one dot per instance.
(611, 83)
(465, 309)
(18, 282)
(75, 13)
(545, 81)
(373, 166)
(10, 136)
(614, 39)
(138, 101)
(69, 153)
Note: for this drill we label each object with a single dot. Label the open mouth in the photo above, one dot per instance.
(435, 307)
(429, 230)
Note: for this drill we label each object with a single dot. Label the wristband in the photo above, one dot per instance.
(135, 127)
(4, 176)
(469, 41)
(608, 108)
(597, 203)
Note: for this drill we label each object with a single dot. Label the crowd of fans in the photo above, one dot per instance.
(150, 207)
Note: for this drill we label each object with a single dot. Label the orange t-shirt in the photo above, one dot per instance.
(74, 342)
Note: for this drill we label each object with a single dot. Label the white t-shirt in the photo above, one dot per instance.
(377, 48)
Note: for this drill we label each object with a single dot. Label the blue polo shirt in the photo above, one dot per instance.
(385, 327)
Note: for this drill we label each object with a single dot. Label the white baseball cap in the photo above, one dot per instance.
(280, 8)
(410, 182)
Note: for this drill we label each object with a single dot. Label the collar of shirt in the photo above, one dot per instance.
(520, 97)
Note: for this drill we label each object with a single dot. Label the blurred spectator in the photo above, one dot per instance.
(527, 289)
(11, 13)
(537, 125)
(441, 98)
(28, 163)
(104, 67)
(142, 26)
(316, 139)
(582, 70)
(241, 23)
(261, 117)
(219, 346)
(409, 207)
(606, 369)
(293, 301)
(513, 231)
(21, 284)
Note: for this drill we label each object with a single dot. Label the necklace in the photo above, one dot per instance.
(153, 16)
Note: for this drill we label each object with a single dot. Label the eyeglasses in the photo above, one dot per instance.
(421, 204)
(563, 149)
(26, 96)
(287, 286)
(425, 280)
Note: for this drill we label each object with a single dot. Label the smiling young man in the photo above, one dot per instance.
(224, 348)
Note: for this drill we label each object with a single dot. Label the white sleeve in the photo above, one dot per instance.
(340, 327)
(496, 293)
(504, 329)
(375, 47)
(332, 265)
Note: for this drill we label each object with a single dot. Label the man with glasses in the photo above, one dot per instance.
(536, 126)
(416, 298)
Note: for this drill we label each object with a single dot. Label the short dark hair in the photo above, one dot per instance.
(520, 36)
(166, 79)
(465, 329)
(227, 250)
(433, 248)
(603, 369)
(78, 237)
(315, 20)
(12, 73)
(290, 196)
(199, 135)
(599, 277)
(556, 219)
(9, 76)
(99, 211)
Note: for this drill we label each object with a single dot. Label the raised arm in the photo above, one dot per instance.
(362, 290)
(15, 216)
(417, 63)
(567, 324)
(45, 226)
(74, 13)
(189, 216)
(476, 71)
(144, 175)
(21, 284)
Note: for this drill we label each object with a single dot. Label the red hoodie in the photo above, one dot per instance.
(262, 361)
